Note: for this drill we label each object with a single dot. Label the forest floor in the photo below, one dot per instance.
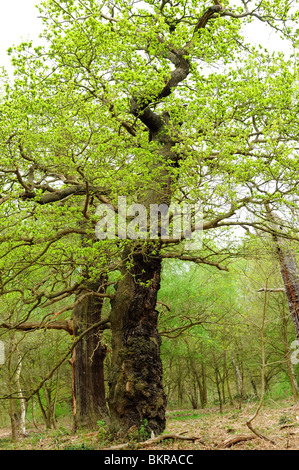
(208, 428)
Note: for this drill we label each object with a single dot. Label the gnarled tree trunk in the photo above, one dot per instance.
(136, 394)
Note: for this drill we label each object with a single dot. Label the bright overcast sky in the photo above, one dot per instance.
(19, 21)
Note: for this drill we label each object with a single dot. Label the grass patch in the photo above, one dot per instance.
(179, 415)
(79, 447)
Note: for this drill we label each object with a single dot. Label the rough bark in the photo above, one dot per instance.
(288, 267)
(89, 397)
(136, 394)
(290, 275)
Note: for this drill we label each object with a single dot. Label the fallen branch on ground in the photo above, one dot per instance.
(258, 434)
(236, 439)
(154, 440)
(289, 425)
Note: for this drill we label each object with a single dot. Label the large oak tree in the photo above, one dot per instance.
(139, 101)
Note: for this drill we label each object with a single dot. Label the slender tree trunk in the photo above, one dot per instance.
(89, 397)
(32, 412)
(238, 378)
(192, 390)
(252, 383)
(44, 413)
(193, 396)
(231, 401)
(180, 389)
(218, 383)
(13, 419)
(55, 400)
(22, 399)
(171, 393)
(226, 380)
(218, 390)
(242, 384)
(200, 388)
(204, 389)
(200, 382)
(13, 409)
(222, 381)
(136, 393)
(49, 409)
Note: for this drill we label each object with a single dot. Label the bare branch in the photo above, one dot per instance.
(153, 440)
(66, 325)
